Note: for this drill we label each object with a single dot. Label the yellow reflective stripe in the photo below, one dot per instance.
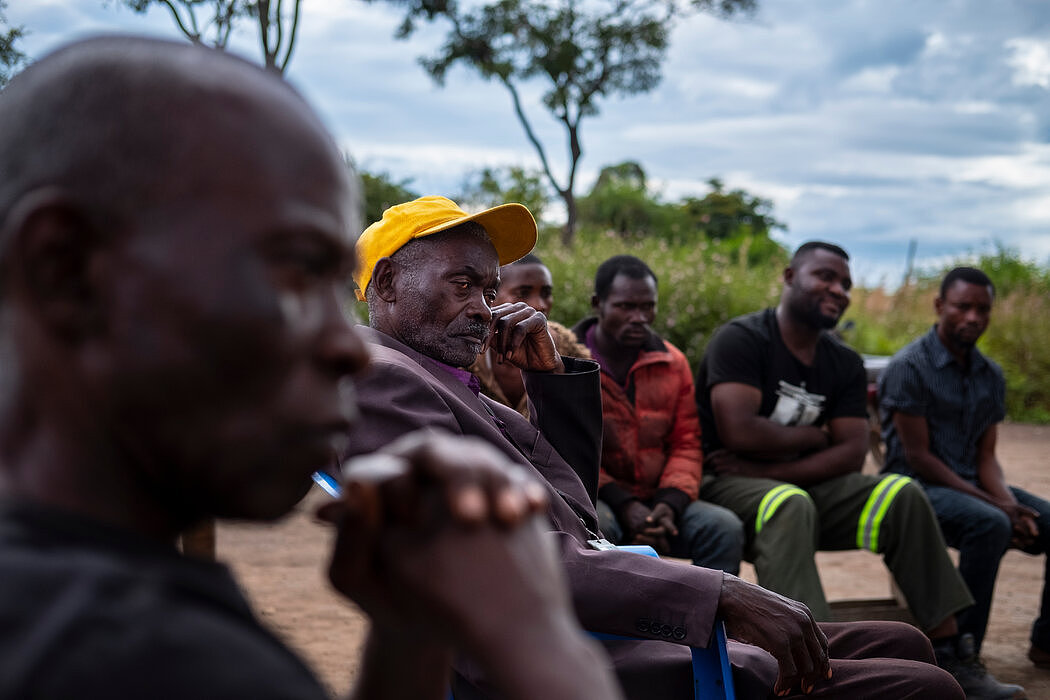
(875, 498)
(879, 501)
(772, 500)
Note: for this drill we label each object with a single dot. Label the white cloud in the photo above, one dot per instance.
(1030, 59)
(1028, 170)
(433, 156)
(936, 43)
(878, 80)
(975, 107)
(705, 82)
(1034, 210)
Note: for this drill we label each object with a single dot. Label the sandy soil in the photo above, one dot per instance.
(282, 568)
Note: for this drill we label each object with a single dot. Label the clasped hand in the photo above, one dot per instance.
(653, 527)
(434, 531)
(1023, 520)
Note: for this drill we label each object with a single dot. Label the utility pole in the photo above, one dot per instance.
(912, 244)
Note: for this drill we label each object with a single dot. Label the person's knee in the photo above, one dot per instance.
(911, 496)
(909, 508)
(928, 681)
(711, 521)
(790, 510)
(883, 639)
(908, 642)
(992, 526)
(972, 526)
(714, 536)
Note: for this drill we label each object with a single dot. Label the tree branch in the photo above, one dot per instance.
(225, 25)
(279, 22)
(263, 8)
(194, 35)
(292, 36)
(530, 134)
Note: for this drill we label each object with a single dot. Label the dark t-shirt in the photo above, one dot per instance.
(89, 611)
(749, 350)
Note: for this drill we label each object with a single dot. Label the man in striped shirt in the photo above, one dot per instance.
(941, 404)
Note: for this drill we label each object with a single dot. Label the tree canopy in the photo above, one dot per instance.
(721, 214)
(581, 51)
(622, 202)
(381, 192)
(490, 187)
(10, 57)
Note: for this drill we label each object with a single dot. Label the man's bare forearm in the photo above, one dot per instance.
(758, 437)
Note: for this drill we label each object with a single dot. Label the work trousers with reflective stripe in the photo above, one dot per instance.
(887, 515)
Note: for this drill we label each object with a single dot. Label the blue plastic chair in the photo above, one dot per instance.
(712, 674)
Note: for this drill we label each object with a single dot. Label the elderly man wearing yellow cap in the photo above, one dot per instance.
(429, 273)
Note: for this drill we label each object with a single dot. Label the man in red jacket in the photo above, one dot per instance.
(651, 461)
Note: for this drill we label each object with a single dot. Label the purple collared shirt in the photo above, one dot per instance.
(468, 379)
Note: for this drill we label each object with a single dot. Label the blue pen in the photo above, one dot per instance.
(327, 484)
(377, 466)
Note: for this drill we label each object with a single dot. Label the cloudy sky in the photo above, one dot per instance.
(867, 122)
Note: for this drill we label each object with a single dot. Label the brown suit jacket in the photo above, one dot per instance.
(613, 592)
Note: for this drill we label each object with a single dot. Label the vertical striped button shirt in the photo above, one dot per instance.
(959, 405)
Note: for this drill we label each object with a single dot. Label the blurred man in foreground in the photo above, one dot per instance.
(175, 235)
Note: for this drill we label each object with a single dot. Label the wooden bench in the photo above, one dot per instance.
(893, 607)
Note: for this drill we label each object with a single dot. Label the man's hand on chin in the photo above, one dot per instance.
(520, 336)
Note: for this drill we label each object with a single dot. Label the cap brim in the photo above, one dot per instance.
(510, 227)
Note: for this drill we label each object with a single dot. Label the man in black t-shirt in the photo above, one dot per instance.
(784, 430)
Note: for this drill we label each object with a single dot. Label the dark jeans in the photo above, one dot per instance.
(981, 532)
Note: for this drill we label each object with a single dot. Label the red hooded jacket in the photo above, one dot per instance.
(651, 434)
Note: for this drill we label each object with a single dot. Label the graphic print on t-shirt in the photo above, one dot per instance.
(796, 406)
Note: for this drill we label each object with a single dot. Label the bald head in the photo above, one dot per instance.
(176, 231)
(128, 127)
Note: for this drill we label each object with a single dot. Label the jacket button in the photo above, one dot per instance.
(642, 625)
(679, 633)
(665, 630)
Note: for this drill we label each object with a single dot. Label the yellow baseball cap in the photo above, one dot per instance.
(510, 227)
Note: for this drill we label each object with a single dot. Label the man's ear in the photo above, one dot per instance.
(789, 274)
(384, 278)
(51, 248)
(938, 304)
(594, 302)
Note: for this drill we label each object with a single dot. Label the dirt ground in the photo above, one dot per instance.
(282, 568)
